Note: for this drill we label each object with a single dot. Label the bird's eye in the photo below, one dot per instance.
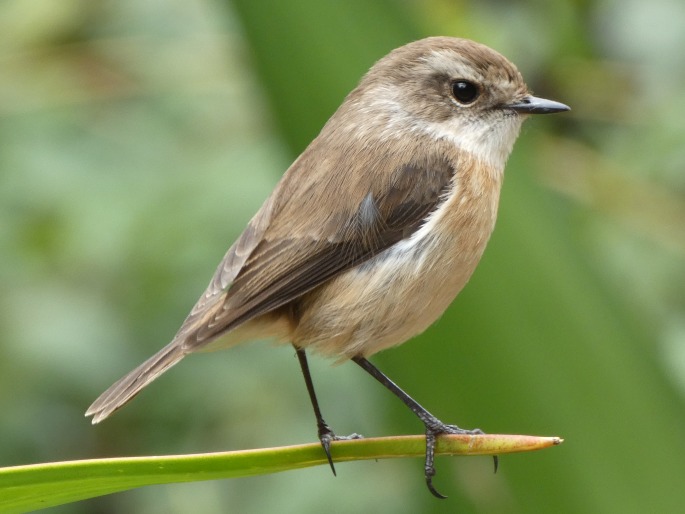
(464, 92)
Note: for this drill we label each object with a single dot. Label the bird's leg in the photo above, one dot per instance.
(434, 426)
(325, 433)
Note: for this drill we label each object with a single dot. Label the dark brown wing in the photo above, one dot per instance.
(272, 262)
(281, 269)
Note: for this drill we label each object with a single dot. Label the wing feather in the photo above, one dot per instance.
(280, 268)
(273, 263)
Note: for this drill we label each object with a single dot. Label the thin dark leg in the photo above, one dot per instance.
(325, 433)
(433, 425)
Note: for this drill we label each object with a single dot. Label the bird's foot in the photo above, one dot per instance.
(433, 429)
(326, 436)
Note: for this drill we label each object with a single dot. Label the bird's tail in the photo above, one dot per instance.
(122, 391)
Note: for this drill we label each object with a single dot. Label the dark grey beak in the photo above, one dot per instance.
(534, 105)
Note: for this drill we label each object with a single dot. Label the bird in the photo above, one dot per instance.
(373, 230)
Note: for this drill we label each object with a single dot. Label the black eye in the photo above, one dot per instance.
(464, 91)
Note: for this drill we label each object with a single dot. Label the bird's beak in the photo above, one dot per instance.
(534, 105)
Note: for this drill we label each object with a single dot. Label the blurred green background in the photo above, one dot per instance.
(138, 138)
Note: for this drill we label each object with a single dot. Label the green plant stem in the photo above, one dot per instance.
(31, 487)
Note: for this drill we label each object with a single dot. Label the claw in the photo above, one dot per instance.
(433, 425)
(429, 468)
(433, 429)
(326, 436)
(433, 491)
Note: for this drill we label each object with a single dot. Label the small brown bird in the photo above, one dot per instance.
(374, 229)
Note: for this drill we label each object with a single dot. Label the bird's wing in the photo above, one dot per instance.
(287, 259)
(282, 253)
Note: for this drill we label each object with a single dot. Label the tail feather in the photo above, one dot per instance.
(123, 391)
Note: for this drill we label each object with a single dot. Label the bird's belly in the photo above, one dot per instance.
(392, 297)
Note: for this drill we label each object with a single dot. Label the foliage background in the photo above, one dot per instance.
(137, 139)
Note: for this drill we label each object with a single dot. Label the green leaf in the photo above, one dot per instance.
(26, 488)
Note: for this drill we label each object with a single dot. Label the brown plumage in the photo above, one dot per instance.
(380, 222)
